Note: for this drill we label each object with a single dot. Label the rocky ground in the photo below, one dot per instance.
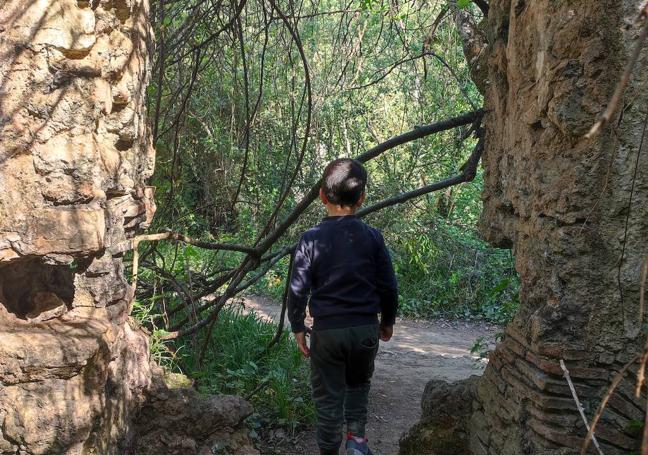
(419, 351)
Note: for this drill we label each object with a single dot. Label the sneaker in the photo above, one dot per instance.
(357, 446)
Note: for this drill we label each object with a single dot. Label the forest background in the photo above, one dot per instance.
(248, 102)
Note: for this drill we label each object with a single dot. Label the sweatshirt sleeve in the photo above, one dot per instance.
(299, 287)
(386, 284)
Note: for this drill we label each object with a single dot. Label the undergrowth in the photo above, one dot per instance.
(450, 272)
(237, 362)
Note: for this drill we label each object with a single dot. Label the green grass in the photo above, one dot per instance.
(162, 352)
(236, 362)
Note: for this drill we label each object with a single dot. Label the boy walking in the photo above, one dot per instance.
(344, 267)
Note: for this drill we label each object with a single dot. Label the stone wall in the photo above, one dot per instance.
(575, 211)
(75, 154)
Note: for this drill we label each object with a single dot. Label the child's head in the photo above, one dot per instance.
(343, 182)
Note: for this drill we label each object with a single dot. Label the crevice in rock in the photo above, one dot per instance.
(124, 144)
(32, 290)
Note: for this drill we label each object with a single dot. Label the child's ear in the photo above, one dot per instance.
(323, 197)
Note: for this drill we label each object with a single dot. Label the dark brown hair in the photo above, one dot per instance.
(344, 181)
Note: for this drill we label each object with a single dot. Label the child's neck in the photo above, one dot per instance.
(340, 210)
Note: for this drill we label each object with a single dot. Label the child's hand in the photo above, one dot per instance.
(386, 332)
(301, 343)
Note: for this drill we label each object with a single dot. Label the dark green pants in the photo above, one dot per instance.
(342, 363)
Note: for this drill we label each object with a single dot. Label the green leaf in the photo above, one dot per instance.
(463, 3)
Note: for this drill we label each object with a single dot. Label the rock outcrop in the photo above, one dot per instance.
(446, 408)
(180, 421)
(575, 211)
(75, 154)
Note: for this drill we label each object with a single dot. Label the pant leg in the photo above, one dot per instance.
(359, 370)
(328, 381)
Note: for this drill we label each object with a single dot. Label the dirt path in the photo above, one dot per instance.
(418, 352)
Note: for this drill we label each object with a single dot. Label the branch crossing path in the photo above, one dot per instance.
(418, 352)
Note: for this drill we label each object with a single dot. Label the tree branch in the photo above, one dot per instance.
(467, 175)
(417, 133)
(132, 243)
(249, 264)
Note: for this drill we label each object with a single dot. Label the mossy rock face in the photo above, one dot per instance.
(177, 380)
(446, 407)
(435, 438)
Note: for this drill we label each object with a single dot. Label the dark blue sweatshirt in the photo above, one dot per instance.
(345, 268)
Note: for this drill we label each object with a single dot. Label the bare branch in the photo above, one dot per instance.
(467, 175)
(579, 406)
(416, 133)
(132, 243)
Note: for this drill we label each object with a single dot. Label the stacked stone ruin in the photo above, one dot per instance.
(575, 212)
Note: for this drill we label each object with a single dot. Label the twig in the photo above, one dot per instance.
(599, 412)
(132, 243)
(644, 440)
(578, 404)
(641, 373)
(622, 85)
(642, 291)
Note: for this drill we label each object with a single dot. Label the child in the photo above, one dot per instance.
(344, 266)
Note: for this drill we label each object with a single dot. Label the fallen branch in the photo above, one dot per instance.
(251, 261)
(467, 175)
(579, 406)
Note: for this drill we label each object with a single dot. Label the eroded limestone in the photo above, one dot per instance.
(75, 155)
